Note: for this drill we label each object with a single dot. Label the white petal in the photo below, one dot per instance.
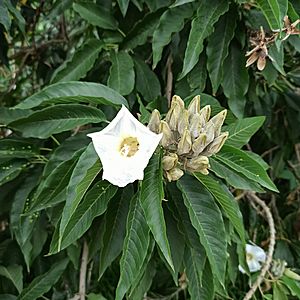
(257, 252)
(118, 169)
(253, 265)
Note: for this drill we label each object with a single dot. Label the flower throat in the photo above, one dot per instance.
(129, 146)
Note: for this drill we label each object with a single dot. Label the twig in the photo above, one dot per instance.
(83, 268)
(169, 85)
(252, 197)
(270, 150)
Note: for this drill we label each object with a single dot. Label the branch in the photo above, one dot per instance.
(169, 79)
(83, 268)
(252, 197)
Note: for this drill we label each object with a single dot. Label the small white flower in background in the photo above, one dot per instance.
(124, 147)
(255, 256)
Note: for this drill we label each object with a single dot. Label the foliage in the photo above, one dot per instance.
(66, 69)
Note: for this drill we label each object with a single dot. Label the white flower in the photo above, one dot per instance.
(254, 257)
(124, 147)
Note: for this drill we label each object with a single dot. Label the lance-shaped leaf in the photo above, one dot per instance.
(121, 74)
(80, 63)
(134, 249)
(151, 201)
(226, 200)
(85, 171)
(147, 82)
(207, 219)
(142, 30)
(55, 119)
(235, 80)
(232, 177)
(49, 192)
(13, 148)
(95, 14)
(222, 37)
(241, 162)
(43, 283)
(114, 226)
(208, 14)
(198, 289)
(11, 168)
(241, 131)
(14, 274)
(123, 4)
(170, 22)
(94, 204)
(8, 115)
(74, 92)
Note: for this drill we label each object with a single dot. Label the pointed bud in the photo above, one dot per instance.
(205, 112)
(289, 273)
(176, 100)
(218, 121)
(173, 115)
(216, 145)
(183, 121)
(194, 107)
(154, 121)
(169, 161)
(174, 174)
(185, 143)
(196, 124)
(210, 132)
(167, 138)
(198, 164)
(199, 144)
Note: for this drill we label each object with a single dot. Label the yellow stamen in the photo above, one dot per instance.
(129, 146)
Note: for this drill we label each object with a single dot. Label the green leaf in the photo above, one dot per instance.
(43, 283)
(121, 74)
(226, 200)
(123, 4)
(59, 7)
(13, 148)
(277, 54)
(85, 171)
(10, 169)
(4, 16)
(241, 162)
(197, 77)
(15, 274)
(151, 201)
(170, 22)
(55, 119)
(292, 285)
(74, 92)
(134, 249)
(147, 82)
(207, 220)
(232, 177)
(222, 36)
(17, 16)
(279, 292)
(241, 131)
(142, 30)
(8, 115)
(198, 289)
(95, 14)
(93, 205)
(114, 229)
(274, 11)
(208, 14)
(236, 80)
(53, 189)
(80, 63)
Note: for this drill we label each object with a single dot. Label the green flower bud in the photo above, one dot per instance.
(185, 143)
(216, 145)
(183, 121)
(194, 107)
(154, 121)
(205, 112)
(218, 121)
(210, 132)
(198, 164)
(199, 144)
(176, 100)
(169, 161)
(289, 273)
(167, 138)
(174, 174)
(173, 115)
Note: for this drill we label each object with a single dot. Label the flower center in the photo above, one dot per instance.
(129, 146)
(249, 256)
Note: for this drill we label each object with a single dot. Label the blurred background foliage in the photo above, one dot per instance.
(148, 50)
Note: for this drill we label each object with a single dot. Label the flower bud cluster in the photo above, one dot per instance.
(190, 136)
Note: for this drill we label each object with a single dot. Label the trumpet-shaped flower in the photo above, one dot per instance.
(124, 147)
(255, 256)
